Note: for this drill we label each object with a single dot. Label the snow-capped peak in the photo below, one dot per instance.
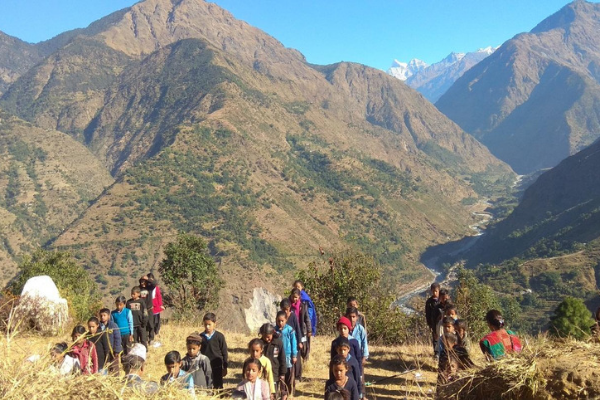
(403, 70)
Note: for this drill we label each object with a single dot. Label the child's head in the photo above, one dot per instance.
(435, 290)
(450, 340)
(460, 326)
(120, 303)
(344, 326)
(252, 369)
(281, 319)
(104, 315)
(143, 281)
(78, 333)
(151, 277)
(352, 302)
(193, 343)
(450, 311)
(295, 295)
(173, 363)
(341, 394)
(256, 347)
(58, 352)
(343, 347)
(286, 305)
(133, 363)
(338, 367)
(352, 315)
(93, 325)
(136, 292)
(210, 322)
(266, 332)
(444, 296)
(299, 285)
(448, 323)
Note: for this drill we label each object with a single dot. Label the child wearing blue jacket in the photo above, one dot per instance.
(123, 318)
(290, 347)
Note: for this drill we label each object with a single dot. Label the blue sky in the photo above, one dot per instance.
(372, 32)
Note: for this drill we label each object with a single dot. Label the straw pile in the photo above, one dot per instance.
(546, 369)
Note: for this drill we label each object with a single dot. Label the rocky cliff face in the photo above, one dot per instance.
(534, 101)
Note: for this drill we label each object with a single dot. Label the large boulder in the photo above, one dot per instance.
(40, 307)
(262, 309)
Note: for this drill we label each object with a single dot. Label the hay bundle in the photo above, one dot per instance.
(546, 369)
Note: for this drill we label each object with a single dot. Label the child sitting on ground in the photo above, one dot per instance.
(134, 364)
(196, 363)
(256, 348)
(463, 344)
(84, 350)
(341, 381)
(276, 354)
(176, 375)
(214, 347)
(449, 364)
(254, 387)
(65, 363)
(288, 338)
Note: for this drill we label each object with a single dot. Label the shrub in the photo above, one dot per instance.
(71, 279)
(352, 273)
(571, 318)
(190, 275)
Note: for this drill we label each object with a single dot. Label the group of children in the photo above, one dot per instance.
(449, 337)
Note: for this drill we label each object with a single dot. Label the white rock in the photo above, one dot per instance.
(262, 309)
(41, 307)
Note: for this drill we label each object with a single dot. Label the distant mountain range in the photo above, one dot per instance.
(210, 126)
(535, 100)
(434, 80)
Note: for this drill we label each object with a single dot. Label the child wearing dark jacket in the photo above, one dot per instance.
(114, 340)
(431, 314)
(196, 363)
(139, 312)
(100, 341)
(274, 351)
(214, 347)
(341, 381)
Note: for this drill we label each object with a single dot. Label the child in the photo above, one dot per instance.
(133, 364)
(343, 349)
(214, 347)
(84, 350)
(344, 326)
(445, 308)
(358, 332)
(123, 318)
(100, 341)
(312, 312)
(288, 338)
(292, 320)
(447, 324)
(300, 310)
(137, 305)
(176, 374)
(157, 303)
(254, 387)
(197, 364)
(449, 364)
(114, 340)
(256, 348)
(460, 326)
(275, 352)
(430, 314)
(353, 302)
(339, 369)
(66, 363)
(146, 289)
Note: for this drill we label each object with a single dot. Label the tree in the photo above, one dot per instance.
(71, 279)
(190, 275)
(571, 318)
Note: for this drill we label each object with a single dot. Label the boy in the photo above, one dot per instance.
(343, 326)
(448, 328)
(214, 347)
(292, 321)
(449, 311)
(343, 349)
(197, 364)
(146, 294)
(430, 313)
(114, 340)
(133, 364)
(137, 305)
(439, 311)
(449, 363)
(353, 302)
(358, 332)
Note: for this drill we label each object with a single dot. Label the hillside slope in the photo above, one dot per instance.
(534, 101)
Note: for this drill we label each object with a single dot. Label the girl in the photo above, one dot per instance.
(100, 340)
(300, 309)
(290, 347)
(463, 347)
(340, 380)
(276, 354)
(254, 387)
(256, 348)
(66, 363)
(84, 351)
(500, 341)
(123, 318)
(176, 374)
